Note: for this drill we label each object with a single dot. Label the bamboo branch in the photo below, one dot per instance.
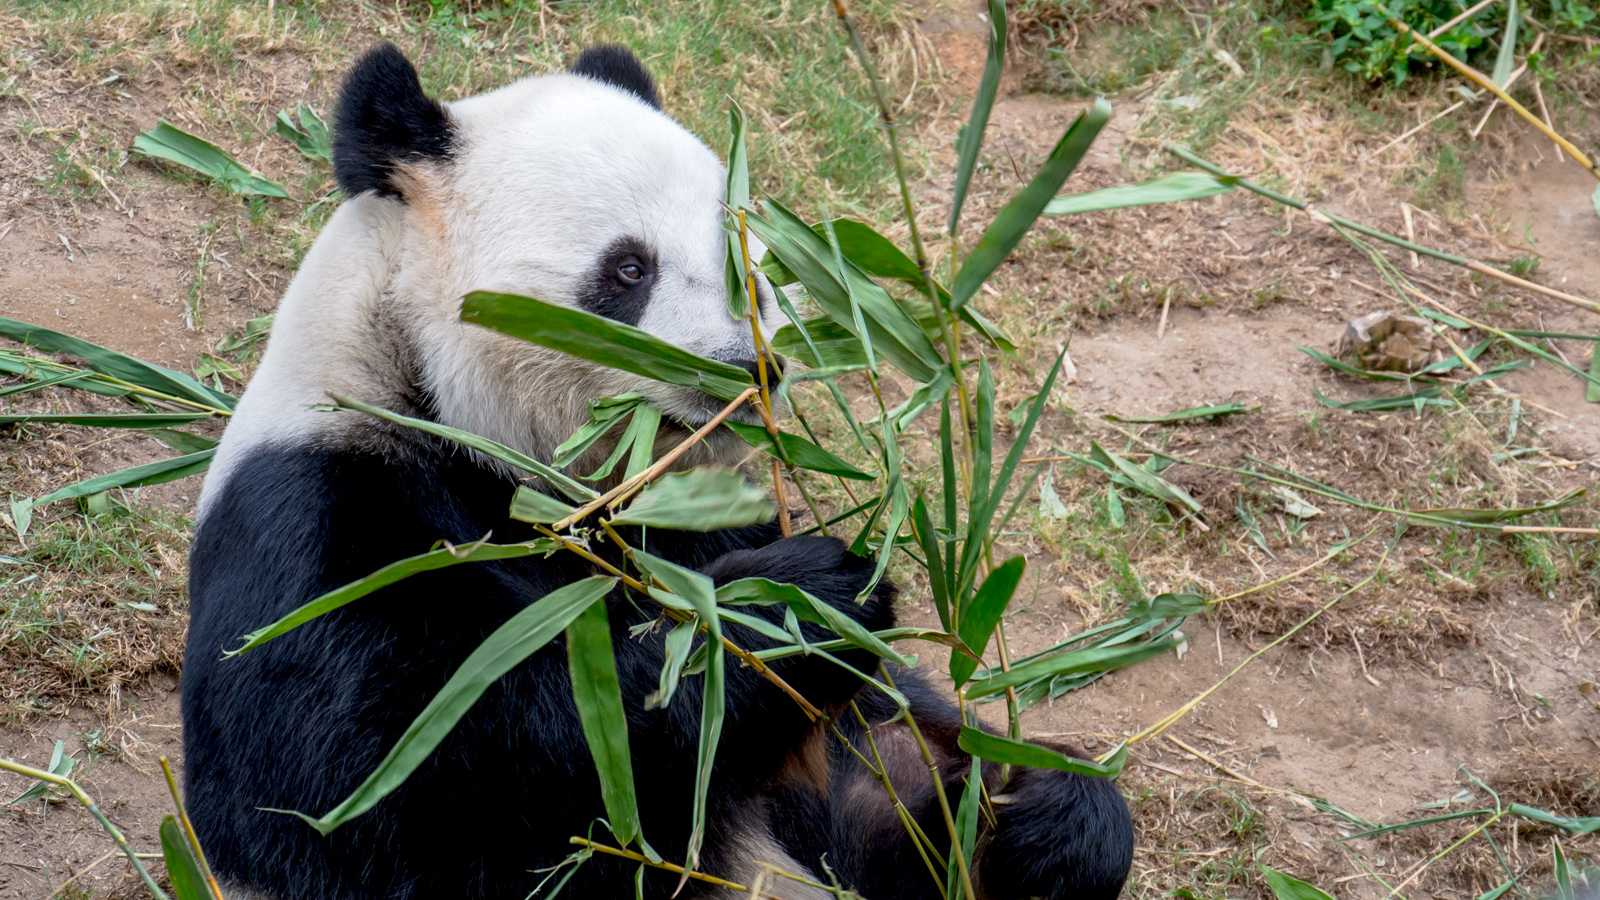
(94, 810)
(938, 788)
(188, 831)
(1488, 84)
(1465, 262)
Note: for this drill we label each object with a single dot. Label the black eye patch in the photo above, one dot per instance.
(618, 286)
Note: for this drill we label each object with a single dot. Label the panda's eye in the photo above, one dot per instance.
(630, 273)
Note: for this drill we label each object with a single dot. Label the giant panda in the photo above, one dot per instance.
(577, 189)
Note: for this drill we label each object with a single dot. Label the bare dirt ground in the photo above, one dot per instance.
(1457, 659)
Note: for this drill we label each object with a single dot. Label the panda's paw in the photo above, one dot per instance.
(1057, 836)
(821, 566)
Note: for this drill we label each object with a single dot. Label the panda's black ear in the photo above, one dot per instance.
(616, 65)
(382, 119)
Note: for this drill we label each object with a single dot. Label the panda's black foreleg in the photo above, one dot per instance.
(823, 567)
(1055, 835)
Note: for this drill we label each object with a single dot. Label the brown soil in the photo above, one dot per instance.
(1382, 705)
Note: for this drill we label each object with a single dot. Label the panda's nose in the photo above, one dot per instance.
(754, 368)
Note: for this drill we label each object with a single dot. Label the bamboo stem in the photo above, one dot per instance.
(1488, 84)
(938, 788)
(1473, 264)
(188, 831)
(697, 876)
(88, 803)
(1172, 718)
(918, 837)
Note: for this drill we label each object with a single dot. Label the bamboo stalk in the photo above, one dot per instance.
(188, 831)
(697, 876)
(1488, 84)
(1172, 718)
(1445, 112)
(88, 803)
(938, 788)
(1465, 262)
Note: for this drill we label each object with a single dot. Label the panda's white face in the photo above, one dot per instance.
(571, 188)
(578, 193)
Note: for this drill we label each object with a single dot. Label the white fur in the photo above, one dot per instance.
(546, 173)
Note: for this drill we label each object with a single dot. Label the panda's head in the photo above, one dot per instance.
(574, 188)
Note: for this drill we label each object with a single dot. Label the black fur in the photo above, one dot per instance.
(383, 119)
(299, 723)
(616, 65)
(608, 293)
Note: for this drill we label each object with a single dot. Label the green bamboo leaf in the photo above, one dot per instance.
(1414, 400)
(1007, 229)
(677, 643)
(31, 386)
(604, 414)
(1508, 46)
(1210, 413)
(183, 441)
(1583, 825)
(61, 763)
(966, 826)
(928, 539)
(393, 572)
(309, 135)
(519, 638)
(137, 476)
(537, 507)
(971, 139)
(1417, 823)
(1497, 893)
(856, 318)
(700, 594)
(738, 198)
(1167, 606)
(183, 870)
(177, 146)
(1288, 887)
(1593, 393)
(878, 256)
(117, 365)
(1484, 516)
(1092, 659)
(115, 420)
(894, 333)
(982, 615)
(807, 608)
(598, 694)
(1342, 366)
(899, 508)
(831, 345)
(637, 442)
(1021, 753)
(1144, 479)
(641, 434)
(800, 451)
(604, 341)
(983, 516)
(704, 499)
(483, 445)
(1166, 189)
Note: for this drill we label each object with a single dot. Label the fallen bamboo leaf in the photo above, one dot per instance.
(174, 145)
(1211, 413)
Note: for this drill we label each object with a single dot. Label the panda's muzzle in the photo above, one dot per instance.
(754, 368)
